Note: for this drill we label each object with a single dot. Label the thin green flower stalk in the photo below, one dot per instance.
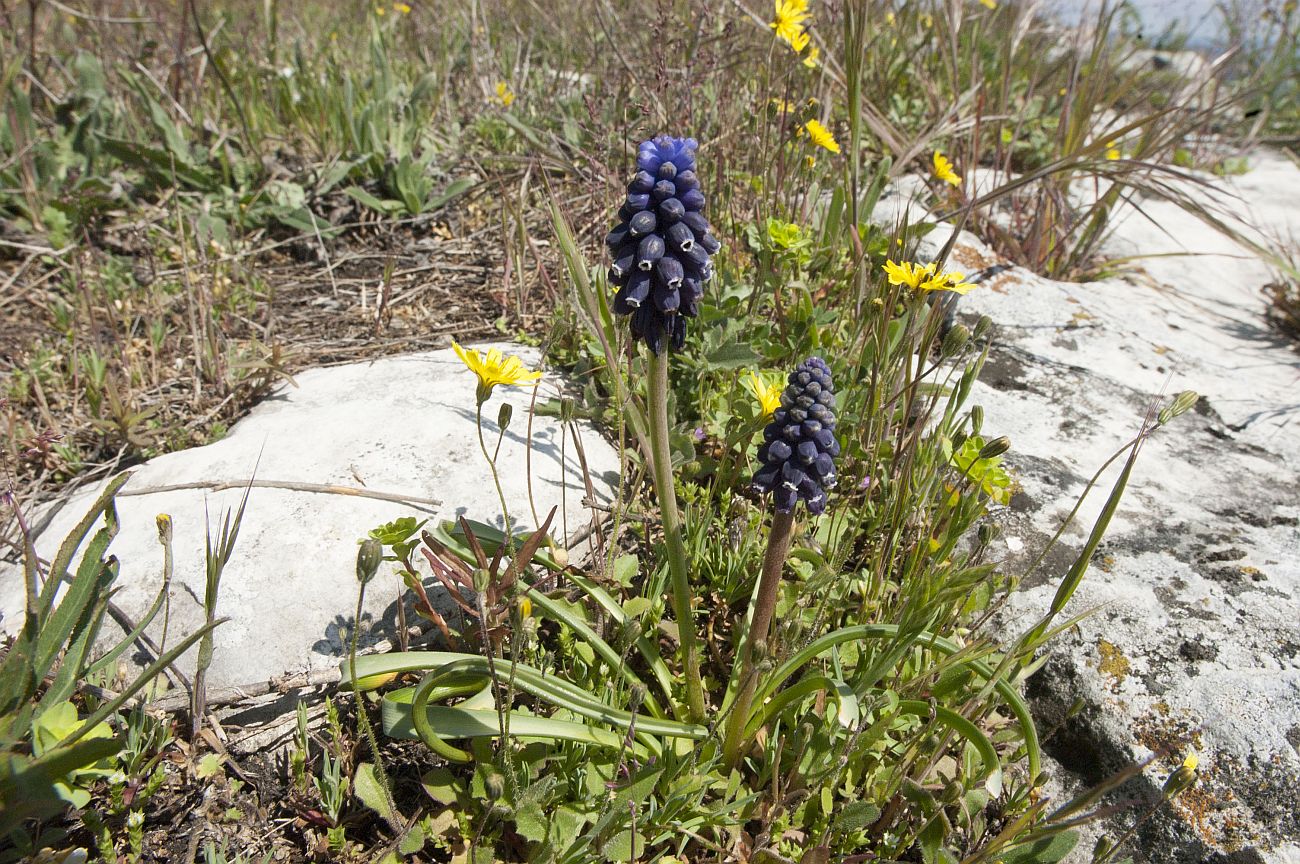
(662, 465)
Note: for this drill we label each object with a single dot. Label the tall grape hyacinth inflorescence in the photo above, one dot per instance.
(799, 446)
(661, 246)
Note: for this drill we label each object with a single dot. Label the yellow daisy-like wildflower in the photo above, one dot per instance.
(402, 8)
(953, 281)
(783, 106)
(504, 94)
(494, 368)
(821, 136)
(923, 277)
(800, 41)
(1112, 154)
(811, 59)
(1192, 761)
(789, 19)
(907, 273)
(989, 4)
(943, 169)
(767, 394)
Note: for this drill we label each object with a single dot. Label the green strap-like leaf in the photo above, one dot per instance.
(966, 729)
(459, 722)
(849, 711)
(644, 646)
(1008, 693)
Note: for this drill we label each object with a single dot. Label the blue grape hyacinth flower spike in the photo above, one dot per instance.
(661, 247)
(799, 447)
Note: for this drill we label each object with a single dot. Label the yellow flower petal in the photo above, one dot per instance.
(788, 22)
(821, 136)
(911, 275)
(766, 393)
(953, 281)
(943, 169)
(494, 369)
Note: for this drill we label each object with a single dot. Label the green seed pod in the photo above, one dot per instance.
(368, 558)
(976, 419)
(996, 447)
(504, 413)
(982, 327)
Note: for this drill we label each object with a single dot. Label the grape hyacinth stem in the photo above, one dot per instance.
(661, 459)
(778, 548)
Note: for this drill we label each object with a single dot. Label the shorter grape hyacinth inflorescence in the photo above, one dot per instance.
(661, 246)
(799, 446)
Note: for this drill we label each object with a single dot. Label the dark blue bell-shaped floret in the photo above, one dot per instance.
(696, 222)
(615, 238)
(694, 256)
(661, 247)
(624, 260)
(642, 224)
(650, 250)
(680, 237)
(670, 273)
(799, 449)
(644, 181)
(692, 199)
(670, 210)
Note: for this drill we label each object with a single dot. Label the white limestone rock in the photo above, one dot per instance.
(399, 425)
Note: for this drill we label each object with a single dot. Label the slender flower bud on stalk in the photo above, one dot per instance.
(996, 447)
(956, 340)
(368, 558)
